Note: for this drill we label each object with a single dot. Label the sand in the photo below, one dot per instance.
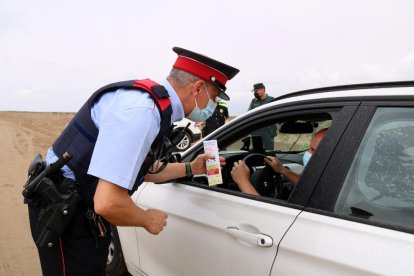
(23, 134)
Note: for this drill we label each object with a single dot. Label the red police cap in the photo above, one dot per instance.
(205, 68)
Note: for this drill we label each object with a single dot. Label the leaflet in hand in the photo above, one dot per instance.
(213, 165)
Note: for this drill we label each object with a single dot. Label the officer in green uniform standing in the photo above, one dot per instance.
(260, 98)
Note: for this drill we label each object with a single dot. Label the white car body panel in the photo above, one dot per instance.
(129, 244)
(322, 245)
(197, 224)
(195, 241)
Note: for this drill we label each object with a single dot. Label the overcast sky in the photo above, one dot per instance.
(54, 54)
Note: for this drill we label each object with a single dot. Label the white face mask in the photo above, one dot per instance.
(306, 158)
(200, 115)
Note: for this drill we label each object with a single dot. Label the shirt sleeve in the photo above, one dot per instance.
(126, 132)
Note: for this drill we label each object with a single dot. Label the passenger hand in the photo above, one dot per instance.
(157, 220)
(198, 165)
(274, 163)
(240, 172)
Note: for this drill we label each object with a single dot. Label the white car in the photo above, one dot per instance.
(352, 212)
(192, 133)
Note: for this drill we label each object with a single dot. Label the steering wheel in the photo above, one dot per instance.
(266, 181)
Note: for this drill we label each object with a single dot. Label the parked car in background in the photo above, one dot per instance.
(351, 213)
(192, 133)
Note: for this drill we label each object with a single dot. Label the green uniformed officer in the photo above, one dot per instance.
(260, 98)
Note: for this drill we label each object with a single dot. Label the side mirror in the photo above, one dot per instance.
(175, 158)
(246, 143)
(258, 144)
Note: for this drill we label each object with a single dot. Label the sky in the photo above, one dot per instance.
(54, 54)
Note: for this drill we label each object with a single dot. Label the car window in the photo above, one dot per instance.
(275, 140)
(286, 138)
(380, 183)
(263, 137)
(293, 142)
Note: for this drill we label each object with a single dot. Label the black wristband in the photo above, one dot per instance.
(188, 170)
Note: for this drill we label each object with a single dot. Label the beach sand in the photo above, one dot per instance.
(23, 134)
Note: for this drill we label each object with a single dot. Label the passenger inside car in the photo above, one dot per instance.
(241, 172)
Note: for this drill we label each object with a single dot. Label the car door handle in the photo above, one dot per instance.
(256, 239)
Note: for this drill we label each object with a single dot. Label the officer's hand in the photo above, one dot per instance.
(156, 221)
(198, 165)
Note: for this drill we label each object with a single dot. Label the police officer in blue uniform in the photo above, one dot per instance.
(114, 141)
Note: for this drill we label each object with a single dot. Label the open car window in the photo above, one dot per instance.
(297, 140)
(287, 138)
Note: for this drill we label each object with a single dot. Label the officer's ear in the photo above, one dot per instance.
(197, 87)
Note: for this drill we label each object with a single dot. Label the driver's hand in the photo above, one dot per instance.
(240, 172)
(274, 163)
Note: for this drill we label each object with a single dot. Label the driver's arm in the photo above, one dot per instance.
(240, 174)
(291, 176)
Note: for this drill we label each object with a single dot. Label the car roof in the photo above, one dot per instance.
(363, 89)
(352, 91)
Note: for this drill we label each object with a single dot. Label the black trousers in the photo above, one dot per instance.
(77, 252)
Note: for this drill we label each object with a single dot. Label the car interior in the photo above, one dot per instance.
(286, 138)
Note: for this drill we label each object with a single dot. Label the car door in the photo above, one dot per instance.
(210, 233)
(213, 231)
(360, 219)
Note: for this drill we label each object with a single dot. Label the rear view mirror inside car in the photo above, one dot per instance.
(296, 127)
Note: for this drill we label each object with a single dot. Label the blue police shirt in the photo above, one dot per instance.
(128, 123)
